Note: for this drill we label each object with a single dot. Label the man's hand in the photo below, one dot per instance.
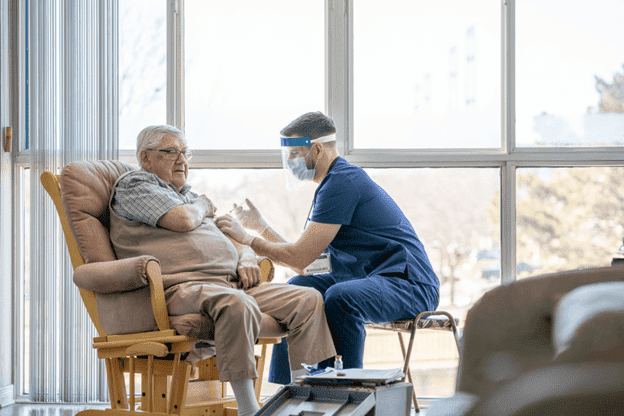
(207, 204)
(250, 218)
(249, 272)
(231, 227)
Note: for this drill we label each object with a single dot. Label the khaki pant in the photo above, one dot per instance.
(237, 315)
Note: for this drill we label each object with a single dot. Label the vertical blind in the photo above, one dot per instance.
(73, 116)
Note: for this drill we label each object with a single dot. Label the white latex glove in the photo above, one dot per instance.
(230, 226)
(250, 218)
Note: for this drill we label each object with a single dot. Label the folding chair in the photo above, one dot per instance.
(431, 320)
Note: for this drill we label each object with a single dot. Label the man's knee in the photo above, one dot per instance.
(237, 305)
(311, 298)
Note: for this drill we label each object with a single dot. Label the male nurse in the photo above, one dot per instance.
(358, 249)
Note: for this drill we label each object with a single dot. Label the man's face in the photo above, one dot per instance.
(159, 163)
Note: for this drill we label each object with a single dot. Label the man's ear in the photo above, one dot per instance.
(145, 160)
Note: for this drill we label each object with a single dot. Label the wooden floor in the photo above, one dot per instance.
(69, 410)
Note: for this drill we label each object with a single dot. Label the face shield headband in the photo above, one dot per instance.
(296, 168)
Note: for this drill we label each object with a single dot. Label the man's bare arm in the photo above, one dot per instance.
(187, 217)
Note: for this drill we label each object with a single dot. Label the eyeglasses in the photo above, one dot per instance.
(174, 154)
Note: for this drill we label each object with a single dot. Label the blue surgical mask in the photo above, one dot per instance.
(299, 168)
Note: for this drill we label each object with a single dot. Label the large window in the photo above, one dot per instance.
(248, 76)
(568, 218)
(566, 56)
(142, 67)
(427, 74)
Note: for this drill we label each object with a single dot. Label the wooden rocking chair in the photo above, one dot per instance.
(147, 344)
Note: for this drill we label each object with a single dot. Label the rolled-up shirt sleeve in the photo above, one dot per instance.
(143, 197)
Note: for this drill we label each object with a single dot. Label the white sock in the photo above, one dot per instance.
(294, 375)
(245, 397)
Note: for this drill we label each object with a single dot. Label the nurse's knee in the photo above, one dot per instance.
(339, 296)
(299, 281)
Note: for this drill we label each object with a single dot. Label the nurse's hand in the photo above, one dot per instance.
(230, 226)
(249, 273)
(250, 218)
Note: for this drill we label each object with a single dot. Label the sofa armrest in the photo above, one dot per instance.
(113, 276)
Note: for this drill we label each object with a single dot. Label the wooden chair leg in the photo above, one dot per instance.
(160, 394)
(149, 389)
(116, 384)
(132, 388)
(179, 386)
(408, 372)
(260, 366)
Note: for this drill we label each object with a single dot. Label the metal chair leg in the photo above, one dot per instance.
(408, 372)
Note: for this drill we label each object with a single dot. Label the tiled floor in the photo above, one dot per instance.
(69, 410)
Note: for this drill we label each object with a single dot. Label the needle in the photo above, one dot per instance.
(238, 205)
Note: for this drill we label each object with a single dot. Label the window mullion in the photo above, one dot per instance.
(508, 223)
(508, 107)
(508, 142)
(339, 71)
(175, 63)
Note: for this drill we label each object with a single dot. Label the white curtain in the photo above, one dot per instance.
(72, 116)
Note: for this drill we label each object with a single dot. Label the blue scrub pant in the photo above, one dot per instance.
(351, 304)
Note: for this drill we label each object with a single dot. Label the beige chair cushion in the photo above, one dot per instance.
(86, 188)
(85, 191)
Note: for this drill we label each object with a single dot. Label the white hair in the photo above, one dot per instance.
(151, 136)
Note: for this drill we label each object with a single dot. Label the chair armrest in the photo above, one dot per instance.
(113, 276)
(267, 268)
(157, 291)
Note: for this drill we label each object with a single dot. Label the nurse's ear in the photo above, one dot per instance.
(317, 150)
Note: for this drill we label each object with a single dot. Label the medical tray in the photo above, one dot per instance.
(318, 400)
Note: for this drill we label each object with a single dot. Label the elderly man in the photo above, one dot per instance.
(153, 211)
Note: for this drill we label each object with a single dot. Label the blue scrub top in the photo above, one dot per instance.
(375, 237)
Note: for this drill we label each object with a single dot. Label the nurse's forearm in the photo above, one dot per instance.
(270, 235)
(284, 254)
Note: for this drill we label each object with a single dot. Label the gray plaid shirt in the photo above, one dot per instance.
(144, 197)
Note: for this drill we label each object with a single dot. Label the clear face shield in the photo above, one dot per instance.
(298, 168)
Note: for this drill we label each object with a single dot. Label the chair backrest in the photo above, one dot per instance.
(81, 194)
(508, 331)
(85, 190)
